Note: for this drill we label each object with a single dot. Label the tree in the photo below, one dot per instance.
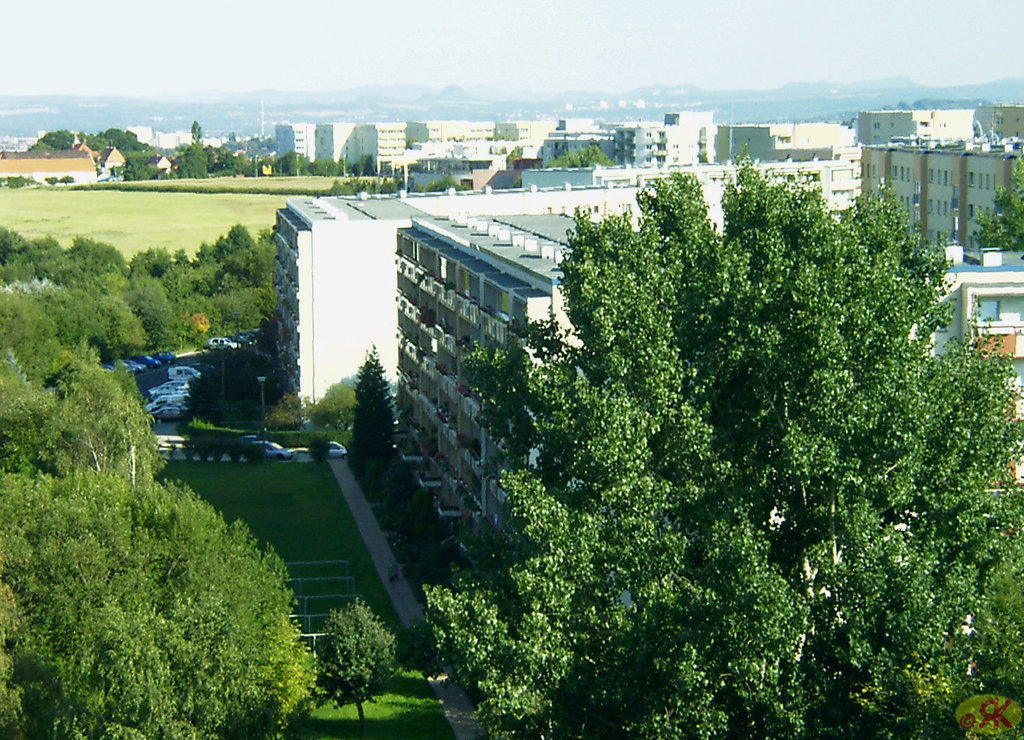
(197, 133)
(588, 157)
(1004, 226)
(139, 612)
(373, 422)
(356, 659)
(143, 614)
(747, 499)
(61, 140)
(194, 162)
(336, 408)
(10, 694)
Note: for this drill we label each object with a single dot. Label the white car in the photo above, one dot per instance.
(164, 401)
(276, 451)
(336, 449)
(221, 343)
(171, 386)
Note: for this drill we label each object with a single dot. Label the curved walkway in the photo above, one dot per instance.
(457, 707)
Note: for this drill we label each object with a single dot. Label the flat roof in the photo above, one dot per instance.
(507, 265)
(353, 208)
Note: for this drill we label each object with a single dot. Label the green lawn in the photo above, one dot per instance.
(298, 510)
(133, 222)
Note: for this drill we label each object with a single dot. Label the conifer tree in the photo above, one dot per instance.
(373, 422)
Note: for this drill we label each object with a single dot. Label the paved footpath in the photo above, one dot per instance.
(457, 707)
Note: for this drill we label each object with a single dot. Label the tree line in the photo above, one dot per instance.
(54, 299)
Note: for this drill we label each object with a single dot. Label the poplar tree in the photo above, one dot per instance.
(757, 505)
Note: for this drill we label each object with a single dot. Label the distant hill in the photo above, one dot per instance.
(222, 113)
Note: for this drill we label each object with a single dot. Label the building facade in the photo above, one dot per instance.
(998, 122)
(462, 283)
(945, 189)
(883, 126)
(42, 166)
(334, 141)
(296, 137)
(839, 179)
(335, 270)
(780, 141)
(683, 139)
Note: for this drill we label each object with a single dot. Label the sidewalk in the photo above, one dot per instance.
(457, 707)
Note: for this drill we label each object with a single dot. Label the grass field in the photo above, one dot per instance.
(298, 510)
(133, 222)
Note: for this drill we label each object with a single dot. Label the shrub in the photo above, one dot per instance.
(318, 448)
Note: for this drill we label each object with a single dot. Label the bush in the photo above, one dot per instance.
(318, 448)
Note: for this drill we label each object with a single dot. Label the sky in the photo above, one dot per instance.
(111, 47)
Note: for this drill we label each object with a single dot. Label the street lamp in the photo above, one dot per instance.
(263, 407)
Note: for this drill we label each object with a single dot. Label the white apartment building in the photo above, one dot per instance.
(335, 273)
(384, 142)
(334, 141)
(683, 139)
(839, 179)
(575, 135)
(526, 132)
(449, 130)
(296, 137)
(883, 126)
(944, 188)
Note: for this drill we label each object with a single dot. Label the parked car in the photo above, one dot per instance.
(165, 357)
(146, 360)
(171, 412)
(276, 451)
(221, 343)
(171, 386)
(130, 365)
(182, 372)
(336, 449)
(178, 399)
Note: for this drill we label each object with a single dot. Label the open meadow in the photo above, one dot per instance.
(134, 221)
(297, 509)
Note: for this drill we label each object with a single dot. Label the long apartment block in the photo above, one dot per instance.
(463, 282)
(944, 188)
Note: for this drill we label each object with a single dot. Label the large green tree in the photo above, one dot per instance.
(355, 658)
(127, 608)
(748, 500)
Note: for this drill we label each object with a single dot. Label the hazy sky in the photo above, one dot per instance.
(181, 46)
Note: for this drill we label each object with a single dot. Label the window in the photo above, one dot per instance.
(988, 308)
(931, 175)
(930, 206)
(970, 210)
(970, 179)
(945, 177)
